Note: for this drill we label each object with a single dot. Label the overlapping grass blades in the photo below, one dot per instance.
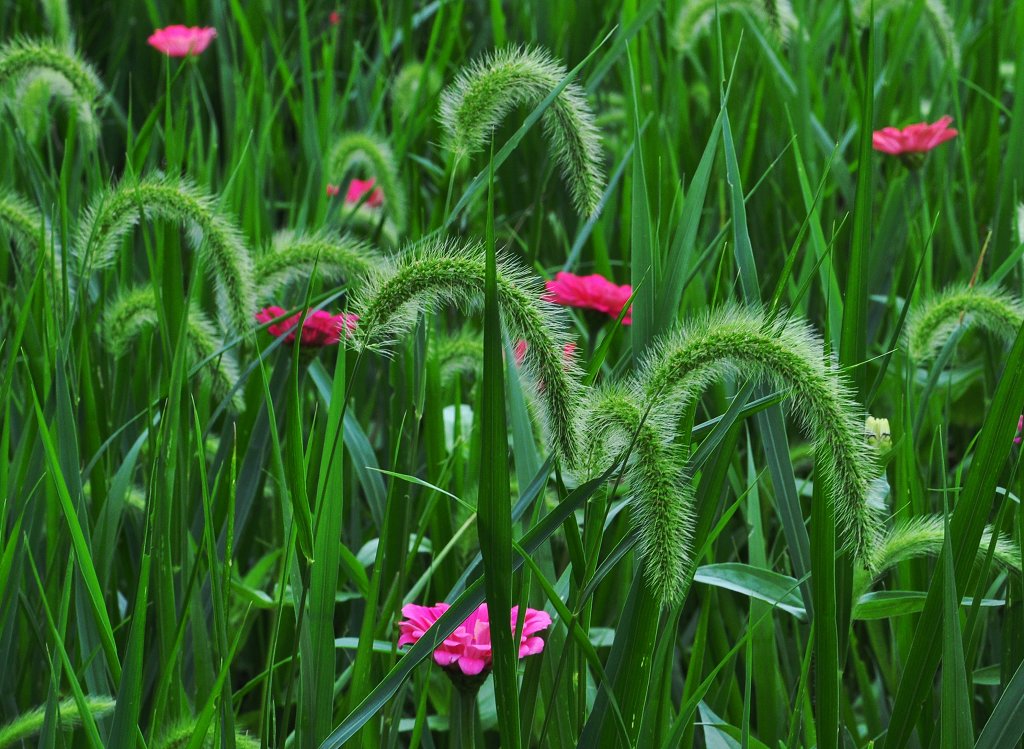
(487, 90)
(373, 156)
(68, 77)
(180, 737)
(696, 17)
(933, 321)
(443, 271)
(213, 235)
(294, 256)
(135, 312)
(28, 724)
(935, 12)
(30, 231)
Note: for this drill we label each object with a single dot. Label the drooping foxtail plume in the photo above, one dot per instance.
(922, 536)
(459, 354)
(30, 231)
(788, 355)
(70, 78)
(696, 17)
(135, 312)
(487, 90)
(372, 156)
(180, 737)
(661, 508)
(212, 233)
(934, 320)
(439, 272)
(935, 13)
(413, 90)
(30, 723)
(293, 257)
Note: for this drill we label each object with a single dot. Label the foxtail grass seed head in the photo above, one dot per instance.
(923, 536)
(134, 312)
(789, 356)
(442, 272)
(933, 12)
(212, 233)
(70, 78)
(934, 320)
(180, 737)
(486, 91)
(413, 90)
(28, 724)
(370, 155)
(696, 18)
(294, 257)
(661, 506)
(31, 233)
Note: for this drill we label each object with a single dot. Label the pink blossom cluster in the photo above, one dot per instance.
(468, 648)
(319, 328)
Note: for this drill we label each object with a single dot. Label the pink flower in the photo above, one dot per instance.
(333, 190)
(590, 292)
(568, 351)
(182, 41)
(318, 329)
(469, 646)
(916, 138)
(357, 188)
(1020, 428)
(334, 18)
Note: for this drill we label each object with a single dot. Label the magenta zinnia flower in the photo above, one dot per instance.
(590, 292)
(182, 41)
(469, 646)
(917, 138)
(319, 328)
(357, 188)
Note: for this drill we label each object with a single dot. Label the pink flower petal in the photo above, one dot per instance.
(182, 41)
(917, 138)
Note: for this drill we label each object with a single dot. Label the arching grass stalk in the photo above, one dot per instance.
(487, 90)
(180, 737)
(439, 272)
(134, 312)
(934, 320)
(30, 231)
(213, 234)
(293, 256)
(29, 724)
(696, 17)
(786, 354)
(71, 79)
(935, 12)
(373, 155)
(922, 536)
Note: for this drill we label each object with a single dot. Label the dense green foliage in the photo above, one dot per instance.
(210, 521)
